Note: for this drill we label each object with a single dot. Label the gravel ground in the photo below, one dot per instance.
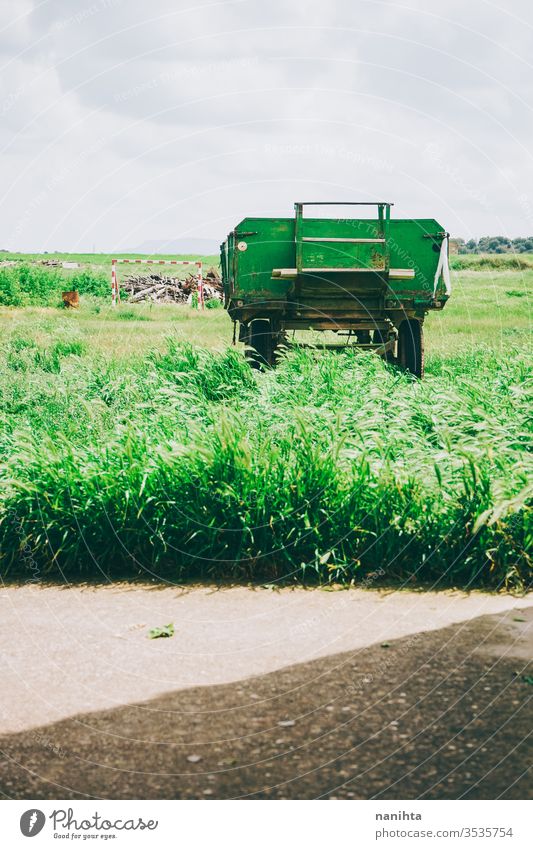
(403, 695)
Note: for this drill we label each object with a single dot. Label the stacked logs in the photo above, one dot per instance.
(163, 288)
(158, 287)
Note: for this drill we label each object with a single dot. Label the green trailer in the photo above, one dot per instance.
(370, 280)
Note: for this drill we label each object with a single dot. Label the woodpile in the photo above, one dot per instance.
(212, 278)
(165, 288)
(213, 285)
(158, 287)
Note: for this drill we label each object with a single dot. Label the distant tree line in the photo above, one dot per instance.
(494, 245)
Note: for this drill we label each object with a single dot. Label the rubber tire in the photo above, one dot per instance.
(261, 348)
(411, 347)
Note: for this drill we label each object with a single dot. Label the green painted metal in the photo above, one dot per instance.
(301, 271)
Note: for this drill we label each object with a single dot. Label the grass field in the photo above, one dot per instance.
(493, 262)
(136, 442)
(100, 261)
(490, 308)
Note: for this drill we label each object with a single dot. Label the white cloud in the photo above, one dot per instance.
(123, 122)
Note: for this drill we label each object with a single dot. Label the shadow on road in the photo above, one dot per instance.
(444, 714)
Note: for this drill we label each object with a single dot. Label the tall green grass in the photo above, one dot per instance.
(186, 464)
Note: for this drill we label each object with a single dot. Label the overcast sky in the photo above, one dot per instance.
(124, 121)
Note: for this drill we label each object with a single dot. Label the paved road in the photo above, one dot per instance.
(444, 713)
(73, 650)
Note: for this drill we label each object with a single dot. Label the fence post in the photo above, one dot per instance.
(201, 304)
(113, 282)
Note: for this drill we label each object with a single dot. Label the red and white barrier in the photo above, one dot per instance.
(115, 289)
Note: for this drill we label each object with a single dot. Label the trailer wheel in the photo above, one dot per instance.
(411, 347)
(261, 348)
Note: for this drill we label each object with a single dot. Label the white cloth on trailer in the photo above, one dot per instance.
(444, 268)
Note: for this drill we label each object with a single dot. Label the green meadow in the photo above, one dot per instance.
(136, 443)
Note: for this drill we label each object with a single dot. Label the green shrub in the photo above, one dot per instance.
(32, 285)
(11, 294)
(28, 285)
(89, 282)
